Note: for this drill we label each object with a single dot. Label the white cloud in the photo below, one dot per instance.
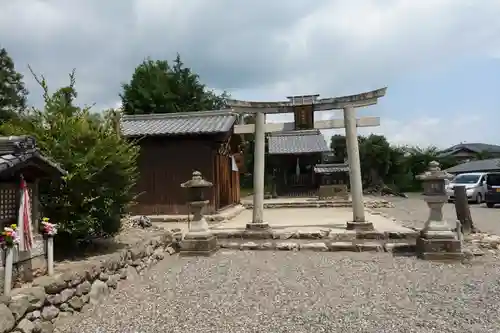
(430, 130)
(260, 50)
(424, 132)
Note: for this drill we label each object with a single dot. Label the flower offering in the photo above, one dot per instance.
(49, 229)
(9, 237)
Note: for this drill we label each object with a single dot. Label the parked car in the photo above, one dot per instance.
(492, 195)
(475, 186)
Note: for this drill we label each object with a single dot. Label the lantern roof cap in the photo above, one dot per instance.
(434, 173)
(196, 181)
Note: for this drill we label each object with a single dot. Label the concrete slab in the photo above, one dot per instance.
(310, 219)
(333, 221)
(306, 223)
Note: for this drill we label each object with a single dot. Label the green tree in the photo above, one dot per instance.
(383, 164)
(93, 197)
(13, 94)
(375, 153)
(158, 87)
(484, 155)
(338, 146)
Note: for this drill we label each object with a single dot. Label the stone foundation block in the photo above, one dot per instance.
(370, 247)
(360, 226)
(438, 245)
(342, 246)
(198, 245)
(439, 249)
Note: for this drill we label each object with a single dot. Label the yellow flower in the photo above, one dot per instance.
(46, 219)
(13, 226)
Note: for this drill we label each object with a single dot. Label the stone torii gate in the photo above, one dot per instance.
(309, 103)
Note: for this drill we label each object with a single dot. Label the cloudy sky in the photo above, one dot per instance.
(439, 58)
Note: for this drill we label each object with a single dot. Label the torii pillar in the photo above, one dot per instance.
(259, 176)
(358, 208)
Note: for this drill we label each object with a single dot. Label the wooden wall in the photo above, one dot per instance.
(227, 182)
(166, 162)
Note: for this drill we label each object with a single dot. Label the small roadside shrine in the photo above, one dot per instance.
(22, 166)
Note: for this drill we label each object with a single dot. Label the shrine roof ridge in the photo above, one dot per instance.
(176, 115)
(175, 124)
(15, 150)
(297, 142)
(296, 132)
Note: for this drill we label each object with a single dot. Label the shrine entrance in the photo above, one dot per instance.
(303, 108)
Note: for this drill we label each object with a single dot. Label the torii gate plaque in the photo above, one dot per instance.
(301, 104)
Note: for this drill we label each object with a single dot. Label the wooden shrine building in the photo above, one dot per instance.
(172, 146)
(20, 158)
(301, 161)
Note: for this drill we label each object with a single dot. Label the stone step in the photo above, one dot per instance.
(321, 234)
(303, 204)
(318, 246)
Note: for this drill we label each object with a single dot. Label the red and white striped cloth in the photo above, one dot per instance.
(24, 221)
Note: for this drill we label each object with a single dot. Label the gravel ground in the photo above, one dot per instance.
(414, 211)
(273, 292)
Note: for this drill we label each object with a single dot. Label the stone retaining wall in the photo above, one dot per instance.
(323, 246)
(397, 248)
(319, 234)
(37, 308)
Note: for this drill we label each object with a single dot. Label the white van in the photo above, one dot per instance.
(475, 186)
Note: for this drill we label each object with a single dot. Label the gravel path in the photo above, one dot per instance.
(270, 292)
(414, 211)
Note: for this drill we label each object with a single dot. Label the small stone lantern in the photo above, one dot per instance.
(437, 240)
(199, 240)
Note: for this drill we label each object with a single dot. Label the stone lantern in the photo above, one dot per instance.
(199, 240)
(437, 239)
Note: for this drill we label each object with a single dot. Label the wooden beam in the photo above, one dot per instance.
(321, 124)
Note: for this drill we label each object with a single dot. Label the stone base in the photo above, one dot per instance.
(360, 226)
(339, 192)
(438, 234)
(439, 249)
(198, 245)
(258, 226)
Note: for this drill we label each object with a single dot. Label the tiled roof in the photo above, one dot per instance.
(17, 150)
(297, 142)
(474, 147)
(492, 164)
(172, 124)
(331, 168)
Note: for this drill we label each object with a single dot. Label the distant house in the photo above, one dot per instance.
(489, 165)
(469, 151)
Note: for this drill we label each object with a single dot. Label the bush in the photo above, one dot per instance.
(101, 166)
